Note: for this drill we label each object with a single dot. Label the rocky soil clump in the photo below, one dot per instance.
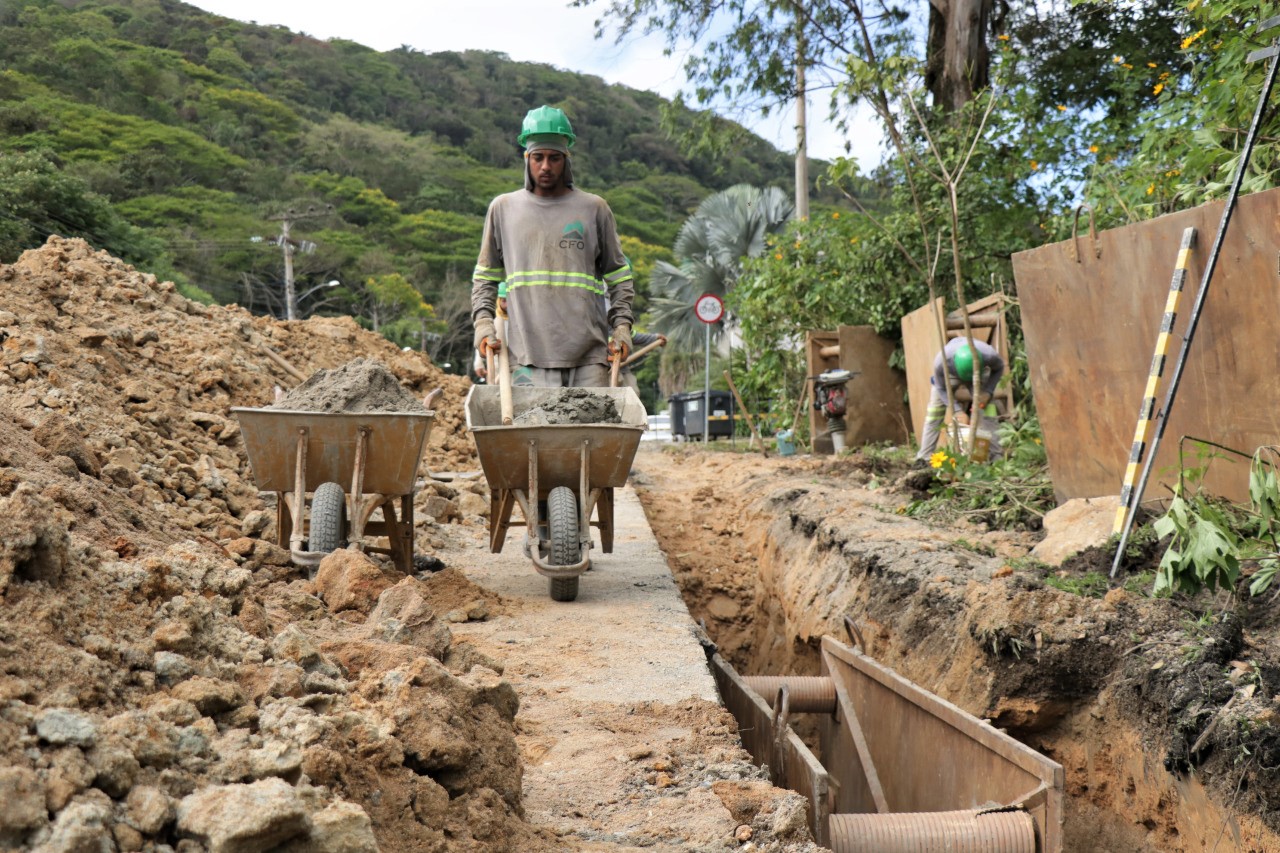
(168, 681)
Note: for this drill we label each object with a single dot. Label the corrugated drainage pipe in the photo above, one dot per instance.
(1009, 831)
(810, 694)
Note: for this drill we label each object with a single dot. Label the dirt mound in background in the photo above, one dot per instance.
(165, 674)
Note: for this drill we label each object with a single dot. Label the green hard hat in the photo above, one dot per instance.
(963, 362)
(546, 121)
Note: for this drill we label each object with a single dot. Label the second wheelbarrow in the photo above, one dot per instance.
(559, 474)
(352, 463)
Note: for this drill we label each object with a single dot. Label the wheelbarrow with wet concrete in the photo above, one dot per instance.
(351, 464)
(558, 473)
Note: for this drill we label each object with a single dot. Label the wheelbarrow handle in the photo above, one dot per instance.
(504, 371)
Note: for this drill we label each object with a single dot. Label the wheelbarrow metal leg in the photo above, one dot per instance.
(501, 503)
(298, 536)
(585, 501)
(531, 504)
(605, 516)
(356, 494)
(395, 537)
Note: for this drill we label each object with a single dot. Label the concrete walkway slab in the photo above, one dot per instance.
(620, 725)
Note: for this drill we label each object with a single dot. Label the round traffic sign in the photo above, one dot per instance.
(709, 308)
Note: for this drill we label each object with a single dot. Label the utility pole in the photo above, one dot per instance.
(287, 245)
(802, 144)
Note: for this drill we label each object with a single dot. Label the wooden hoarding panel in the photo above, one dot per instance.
(1091, 325)
(876, 408)
(920, 343)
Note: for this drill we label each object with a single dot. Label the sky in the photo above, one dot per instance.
(546, 31)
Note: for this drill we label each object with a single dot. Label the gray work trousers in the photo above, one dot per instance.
(933, 418)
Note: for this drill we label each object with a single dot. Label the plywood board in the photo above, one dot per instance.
(1091, 324)
(921, 340)
(877, 408)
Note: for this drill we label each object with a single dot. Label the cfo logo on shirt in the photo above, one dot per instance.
(574, 236)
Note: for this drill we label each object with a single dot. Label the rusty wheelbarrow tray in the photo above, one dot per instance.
(371, 457)
(525, 465)
(901, 769)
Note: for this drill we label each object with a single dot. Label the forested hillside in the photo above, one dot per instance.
(180, 141)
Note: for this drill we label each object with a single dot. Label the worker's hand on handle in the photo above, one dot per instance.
(962, 418)
(486, 339)
(620, 346)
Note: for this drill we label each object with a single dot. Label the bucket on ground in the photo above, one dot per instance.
(981, 447)
(786, 442)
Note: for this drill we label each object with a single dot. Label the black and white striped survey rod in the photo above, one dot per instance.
(1148, 408)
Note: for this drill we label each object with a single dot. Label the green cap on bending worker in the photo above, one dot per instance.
(964, 361)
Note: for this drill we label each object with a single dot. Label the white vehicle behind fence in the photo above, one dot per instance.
(659, 428)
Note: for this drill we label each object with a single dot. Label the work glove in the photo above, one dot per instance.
(621, 343)
(486, 336)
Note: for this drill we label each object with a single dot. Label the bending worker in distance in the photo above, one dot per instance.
(557, 248)
(955, 366)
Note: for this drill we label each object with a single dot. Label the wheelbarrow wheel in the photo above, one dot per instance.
(328, 518)
(562, 519)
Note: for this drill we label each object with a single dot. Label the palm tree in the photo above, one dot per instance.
(726, 228)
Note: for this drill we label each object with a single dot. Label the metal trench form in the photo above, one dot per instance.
(901, 769)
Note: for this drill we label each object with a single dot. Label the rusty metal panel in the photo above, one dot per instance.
(1091, 327)
(394, 447)
(794, 766)
(934, 757)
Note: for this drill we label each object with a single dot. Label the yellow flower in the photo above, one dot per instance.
(939, 459)
(1117, 60)
(1151, 189)
(1093, 149)
(1158, 89)
(835, 215)
(1191, 39)
(777, 256)
(1152, 65)
(1126, 65)
(1062, 108)
(853, 240)
(1034, 165)
(1002, 37)
(1164, 75)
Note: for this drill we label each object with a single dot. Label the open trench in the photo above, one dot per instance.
(772, 555)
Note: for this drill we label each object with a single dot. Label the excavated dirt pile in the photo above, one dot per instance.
(167, 680)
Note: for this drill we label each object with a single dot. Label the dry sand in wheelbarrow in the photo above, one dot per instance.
(571, 406)
(361, 385)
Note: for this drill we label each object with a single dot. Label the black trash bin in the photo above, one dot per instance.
(687, 412)
(675, 407)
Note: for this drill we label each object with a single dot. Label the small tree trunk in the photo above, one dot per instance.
(959, 62)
